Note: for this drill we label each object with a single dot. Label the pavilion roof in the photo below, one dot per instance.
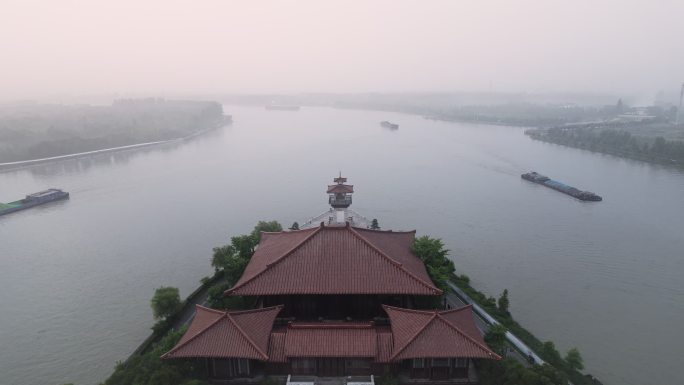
(340, 189)
(335, 260)
(413, 334)
(447, 334)
(221, 334)
(330, 340)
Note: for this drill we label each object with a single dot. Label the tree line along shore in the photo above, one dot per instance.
(33, 131)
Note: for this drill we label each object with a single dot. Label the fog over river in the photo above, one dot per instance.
(77, 276)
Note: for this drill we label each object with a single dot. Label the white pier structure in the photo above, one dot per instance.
(339, 198)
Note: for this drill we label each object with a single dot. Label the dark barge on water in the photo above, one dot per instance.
(558, 186)
(389, 125)
(35, 199)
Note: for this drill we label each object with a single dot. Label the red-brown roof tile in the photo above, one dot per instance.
(276, 346)
(331, 340)
(385, 344)
(340, 189)
(423, 334)
(413, 334)
(239, 334)
(335, 260)
(464, 319)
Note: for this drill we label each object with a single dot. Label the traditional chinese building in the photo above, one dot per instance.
(336, 300)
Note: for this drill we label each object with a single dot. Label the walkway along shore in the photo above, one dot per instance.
(512, 339)
(183, 316)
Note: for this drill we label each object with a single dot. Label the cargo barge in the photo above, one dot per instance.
(558, 186)
(35, 199)
(390, 125)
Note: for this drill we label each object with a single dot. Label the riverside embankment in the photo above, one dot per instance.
(24, 163)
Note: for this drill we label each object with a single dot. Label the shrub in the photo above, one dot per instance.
(166, 302)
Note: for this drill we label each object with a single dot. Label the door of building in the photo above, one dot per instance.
(330, 367)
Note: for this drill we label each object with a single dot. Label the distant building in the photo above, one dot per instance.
(335, 300)
(639, 114)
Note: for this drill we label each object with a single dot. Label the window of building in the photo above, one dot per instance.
(304, 364)
(242, 366)
(440, 362)
(460, 362)
(358, 363)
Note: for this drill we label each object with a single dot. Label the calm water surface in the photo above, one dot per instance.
(77, 276)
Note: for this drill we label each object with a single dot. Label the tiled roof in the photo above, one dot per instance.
(421, 334)
(276, 346)
(335, 260)
(385, 344)
(340, 189)
(413, 334)
(239, 334)
(330, 340)
(464, 319)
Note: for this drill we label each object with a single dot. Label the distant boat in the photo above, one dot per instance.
(281, 107)
(390, 125)
(558, 186)
(35, 199)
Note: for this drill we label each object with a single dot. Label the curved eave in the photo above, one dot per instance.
(248, 291)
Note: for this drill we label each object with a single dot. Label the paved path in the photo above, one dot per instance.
(188, 312)
(357, 219)
(455, 302)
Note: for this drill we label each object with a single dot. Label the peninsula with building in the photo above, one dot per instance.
(337, 302)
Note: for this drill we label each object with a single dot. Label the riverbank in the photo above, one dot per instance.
(615, 142)
(31, 131)
(522, 340)
(178, 320)
(8, 166)
(598, 129)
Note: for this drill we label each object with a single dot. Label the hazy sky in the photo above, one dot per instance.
(166, 46)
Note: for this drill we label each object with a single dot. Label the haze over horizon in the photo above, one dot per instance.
(173, 47)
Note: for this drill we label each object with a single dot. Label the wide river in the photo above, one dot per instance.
(77, 276)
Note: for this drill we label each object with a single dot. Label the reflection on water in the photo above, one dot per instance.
(78, 275)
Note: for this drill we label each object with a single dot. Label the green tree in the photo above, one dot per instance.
(228, 259)
(503, 303)
(548, 374)
(374, 224)
(496, 338)
(220, 257)
(574, 359)
(166, 302)
(244, 245)
(149, 369)
(550, 354)
(270, 226)
(432, 252)
(295, 226)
